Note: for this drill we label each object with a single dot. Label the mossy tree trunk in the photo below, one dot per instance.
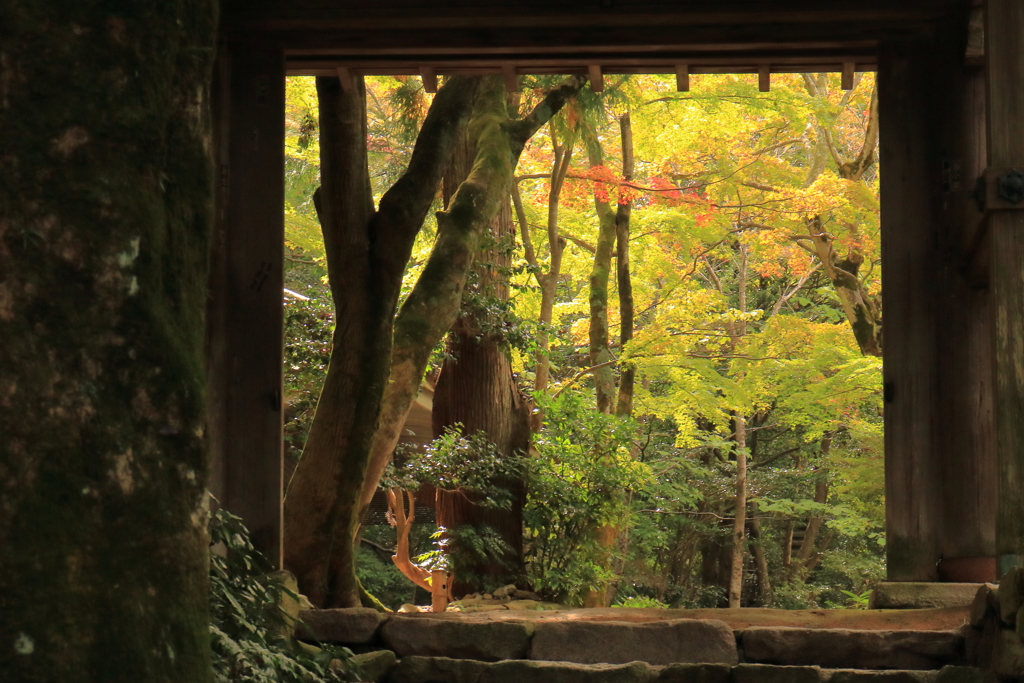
(613, 230)
(600, 351)
(105, 215)
(433, 305)
(627, 376)
(367, 252)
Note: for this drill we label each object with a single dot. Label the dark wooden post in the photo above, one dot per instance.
(965, 429)
(909, 164)
(245, 313)
(1005, 56)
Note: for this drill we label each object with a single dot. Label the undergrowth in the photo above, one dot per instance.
(250, 632)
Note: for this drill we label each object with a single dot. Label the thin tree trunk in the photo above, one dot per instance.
(760, 561)
(600, 352)
(740, 516)
(624, 402)
(106, 190)
(562, 158)
(740, 437)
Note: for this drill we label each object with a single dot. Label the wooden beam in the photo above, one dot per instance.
(1004, 26)
(245, 317)
(847, 78)
(964, 446)
(508, 73)
(764, 78)
(683, 77)
(348, 84)
(596, 77)
(429, 77)
(912, 475)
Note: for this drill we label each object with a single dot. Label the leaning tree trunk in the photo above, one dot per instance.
(105, 213)
(432, 306)
(366, 256)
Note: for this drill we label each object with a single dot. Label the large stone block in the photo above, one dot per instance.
(484, 640)
(965, 674)
(768, 673)
(437, 670)
(985, 601)
(922, 595)
(666, 642)
(526, 671)
(846, 649)
(374, 667)
(695, 673)
(446, 670)
(851, 676)
(352, 626)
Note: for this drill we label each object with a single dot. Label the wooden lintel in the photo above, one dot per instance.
(847, 80)
(348, 83)
(764, 78)
(596, 77)
(683, 77)
(508, 73)
(429, 77)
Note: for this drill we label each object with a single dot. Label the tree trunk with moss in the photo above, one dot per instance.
(367, 252)
(433, 305)
(105, 215)
(600, 351)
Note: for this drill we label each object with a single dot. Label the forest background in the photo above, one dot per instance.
(686, 287)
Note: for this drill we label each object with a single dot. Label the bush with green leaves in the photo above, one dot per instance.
(250, 632)
(583, 457)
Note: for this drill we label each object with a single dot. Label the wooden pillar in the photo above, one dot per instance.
(245, 317)
(909, 167)
(1005, 73)
(965, 437)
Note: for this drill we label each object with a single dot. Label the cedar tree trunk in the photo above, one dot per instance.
(476, 388)
(105, 213)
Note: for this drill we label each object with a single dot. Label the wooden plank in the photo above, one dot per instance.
(1005, 55)
(683, 77)
(912, 477)
(431, 49)
(847, 78)
(764, 78)
(247, 323)
(596, 77)
(511, 78)
(429, 77)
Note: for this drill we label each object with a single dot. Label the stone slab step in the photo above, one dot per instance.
(445, 670)
(846, 649)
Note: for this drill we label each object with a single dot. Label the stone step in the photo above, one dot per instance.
(685, 641)
(415, 669)
(842, 648)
